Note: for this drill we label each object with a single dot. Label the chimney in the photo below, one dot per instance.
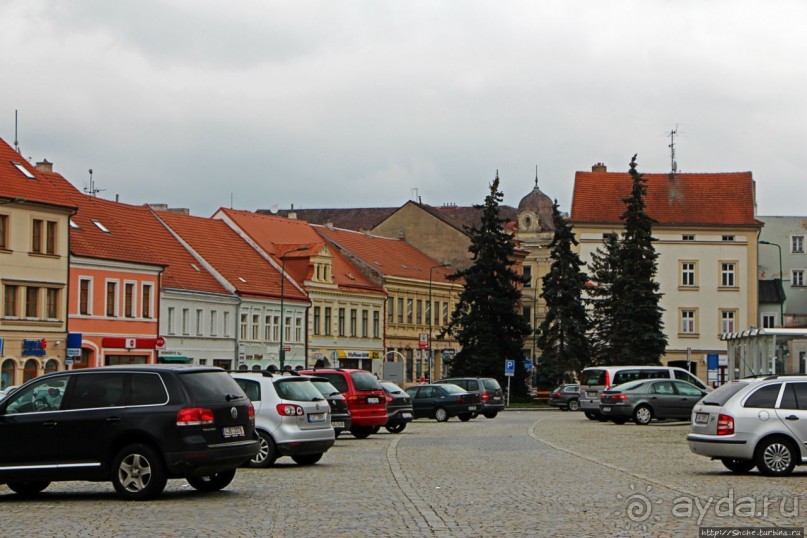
(179, 210)
(45, 166)
(159, 207)
(292, 214)
(599, 167)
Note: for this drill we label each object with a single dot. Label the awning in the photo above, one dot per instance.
(174, 358)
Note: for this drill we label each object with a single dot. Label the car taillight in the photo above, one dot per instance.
(290, 410)
(725, 425)
(388, 397)
(461, 398)
(485, 396)
(251, 411)
(194, 416)
(607, 379)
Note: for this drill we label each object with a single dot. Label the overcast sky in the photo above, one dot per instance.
(356, 103)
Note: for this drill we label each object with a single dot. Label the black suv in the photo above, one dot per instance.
(488, 389)
(136, 426)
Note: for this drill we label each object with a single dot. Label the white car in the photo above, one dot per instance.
(292, 418)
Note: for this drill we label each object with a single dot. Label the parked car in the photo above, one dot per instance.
(136, 426)
(756, 422)
(566, 397)
(643, 401)
(399, 407)
(594, 380)
(292, 418)
(442, 401)
(364, 395)
(490, 393)
(340, 415)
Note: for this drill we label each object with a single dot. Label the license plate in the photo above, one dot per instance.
(338, 424)
(496, 398)
(406, 415)
(372, 400)
(606, 409)
(591, 394)
(701, 418)
(471, 408)
(316, 417)
(233, 431)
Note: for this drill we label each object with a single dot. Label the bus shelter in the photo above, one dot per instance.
(766, 352)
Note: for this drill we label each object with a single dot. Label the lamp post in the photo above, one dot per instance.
(431, 315)
(781, 277)
(282, 352)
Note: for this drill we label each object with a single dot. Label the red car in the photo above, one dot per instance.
(365, 397)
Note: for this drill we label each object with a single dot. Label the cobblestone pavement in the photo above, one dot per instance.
(524, 473)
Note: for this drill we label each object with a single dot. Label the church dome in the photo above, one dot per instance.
(535, 211)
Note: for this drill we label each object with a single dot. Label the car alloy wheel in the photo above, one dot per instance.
(574, 404)
(642, 415)
(137, 473)
(775, 457)
(267, 452)
(213, 482)
(440, 414)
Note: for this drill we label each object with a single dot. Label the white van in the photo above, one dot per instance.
(595, 379)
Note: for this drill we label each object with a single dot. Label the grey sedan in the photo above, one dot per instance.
(645, 400)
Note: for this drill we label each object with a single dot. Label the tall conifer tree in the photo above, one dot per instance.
(603, 268)
(485, 321)
(562, 335)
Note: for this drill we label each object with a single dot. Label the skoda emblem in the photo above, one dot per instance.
(234, 412)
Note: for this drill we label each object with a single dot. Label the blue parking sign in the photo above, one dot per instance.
(509, 367)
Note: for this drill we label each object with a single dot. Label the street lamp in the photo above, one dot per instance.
(781, 276)
(431, 315)
(282, 352)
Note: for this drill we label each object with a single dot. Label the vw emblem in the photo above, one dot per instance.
(234, 412)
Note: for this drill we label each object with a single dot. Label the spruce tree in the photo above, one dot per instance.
(638, 335)
(562, 335)
(603, 268)
(485, 321)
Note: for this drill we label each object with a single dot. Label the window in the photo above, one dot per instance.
(353, 322)
(527, 276)
(128, 300)
(31, 302)
(50, 238)
(688, 274)
(687, 321)
(797, 277)
(23, 170)
(287, 328)
(226, 322)
(84, 296)
(365, 321)
(146, 301)
(797, 244)
(11, 308)
(3, 232)
(172, 319)
(317, 312)
(298, 329)
(186, 321)
(409, 311)
(214, 323)
(111, 295)
(728, 238)
(768, 321)
(526, 312)
(400, 310)
(36, 236)
(267, 328)
(419, 312)
(256, 326)
(390, 309)
(341, 322)
(765, 397)
(52, 298)
(727, 274)
(376, 323)
(199, 322)
(275, 328)
(243, 332)
(327, 321)
(728, 319)
(445, 313)
(687, 237)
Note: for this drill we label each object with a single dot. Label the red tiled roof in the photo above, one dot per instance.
(682, 199)
(14, 184)
(278, 235)
(391, 257)
(243, 267)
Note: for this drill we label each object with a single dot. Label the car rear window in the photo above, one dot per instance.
(297, 390)
(452, 389)
(392, 388)
(491, 384)
(721, 394)
(325, 388)
(210, 386)
(365, 381)
(337, 379)
(593, 377)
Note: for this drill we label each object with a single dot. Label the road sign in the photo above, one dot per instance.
(509, 367)
(527, 364)
(159, 342)
(423, 341)
(449, 351)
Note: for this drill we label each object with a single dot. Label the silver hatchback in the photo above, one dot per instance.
(759, 422)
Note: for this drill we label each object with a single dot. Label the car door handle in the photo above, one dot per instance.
(50, 424)
(792, 417)
(113, 419)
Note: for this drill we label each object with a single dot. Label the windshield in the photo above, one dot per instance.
(365, 381)
(298, 390)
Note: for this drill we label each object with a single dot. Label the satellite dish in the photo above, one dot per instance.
(273, 209)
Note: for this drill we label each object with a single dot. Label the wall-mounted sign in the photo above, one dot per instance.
(34, 347)
(73, 345)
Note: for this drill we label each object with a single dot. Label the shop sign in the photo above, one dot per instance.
(34, 347)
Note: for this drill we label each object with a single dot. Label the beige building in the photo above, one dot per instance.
(34, 226)
(706, 238)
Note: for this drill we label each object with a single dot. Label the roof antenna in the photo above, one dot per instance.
(536, 176)
(16, 142)
(673, 164)
(91, 190)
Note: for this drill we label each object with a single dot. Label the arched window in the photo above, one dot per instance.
(51, 366)
(7, 373)
(30, 370)
(242, 367)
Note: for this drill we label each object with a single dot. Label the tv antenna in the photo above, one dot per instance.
(91, 190)
(673, 164)
(16, 142)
